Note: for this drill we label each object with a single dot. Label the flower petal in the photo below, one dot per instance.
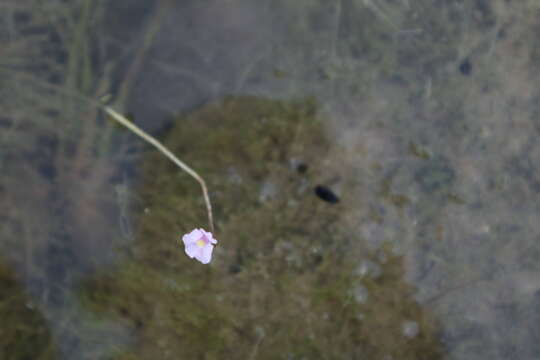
(209, 236)
(192, 237)
(192, 250)
(206, 254)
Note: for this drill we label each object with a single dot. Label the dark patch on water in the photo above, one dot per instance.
(465, 68)
(302, 168)
(326, 194)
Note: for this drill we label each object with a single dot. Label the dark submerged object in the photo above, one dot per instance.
(465, 67)
(302, 168)
(326, 194)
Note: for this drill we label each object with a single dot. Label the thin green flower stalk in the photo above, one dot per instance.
(158, 145)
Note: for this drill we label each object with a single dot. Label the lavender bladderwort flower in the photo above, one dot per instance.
(199, 245)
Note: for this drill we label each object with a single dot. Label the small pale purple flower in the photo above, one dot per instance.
(199, 245)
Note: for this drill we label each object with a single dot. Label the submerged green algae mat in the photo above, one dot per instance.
(290, 279)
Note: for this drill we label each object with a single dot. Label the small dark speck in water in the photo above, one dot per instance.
(317, 259)
(21, 18)
(326, 194)
(235, 269)
(465, 67)
(48, 171)
(302, 168)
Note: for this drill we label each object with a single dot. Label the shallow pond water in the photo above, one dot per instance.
(372, 167)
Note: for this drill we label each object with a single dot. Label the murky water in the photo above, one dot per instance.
(372, 167)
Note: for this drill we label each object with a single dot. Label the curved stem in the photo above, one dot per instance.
(150, 139)
(134, 128)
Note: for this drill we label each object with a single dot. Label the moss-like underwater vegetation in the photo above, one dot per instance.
(24, 333)
(290, 278)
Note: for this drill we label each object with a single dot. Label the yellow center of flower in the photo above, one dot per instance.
(200, 243)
